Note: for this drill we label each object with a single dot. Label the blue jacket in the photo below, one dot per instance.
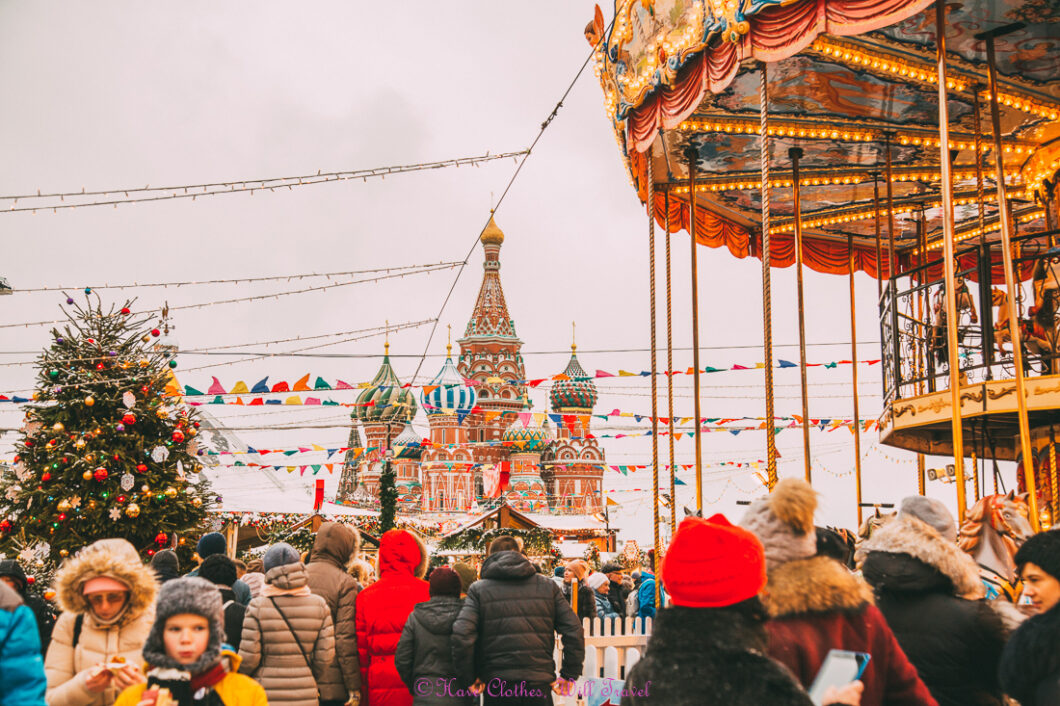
(22, 680)
(604, 609)
(646, 595)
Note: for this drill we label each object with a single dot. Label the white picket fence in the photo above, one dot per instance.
(612, 647)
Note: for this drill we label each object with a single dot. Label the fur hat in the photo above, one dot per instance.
(1042, 550)
(11, 569)
(783, 522)
(467, 575)
(596, 580)
(930, 512)
(280, 554)
(194, 596)
(219, 569)
(711, 564)
(211, 543)
(445, 582)
(611, 568)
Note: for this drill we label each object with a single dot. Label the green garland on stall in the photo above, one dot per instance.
(537, 541)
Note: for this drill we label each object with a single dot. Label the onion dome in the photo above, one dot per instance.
(492, 235)
(448, 390)
(411, 441)
(525, 438)
(384, 400)
(578, 393)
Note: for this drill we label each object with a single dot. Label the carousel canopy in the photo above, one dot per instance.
(846, 79)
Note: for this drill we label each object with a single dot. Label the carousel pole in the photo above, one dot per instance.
(890, 211)
(654, 371)
(1055, 504)
(854, 375)
(767, 288)
(921, 464)
(670, 367)
(796, 153)
(876, 214)
(1004, 218)
(948, 261)
(692, 155)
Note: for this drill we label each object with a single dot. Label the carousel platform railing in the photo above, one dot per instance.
(913, 322)
(612, 647)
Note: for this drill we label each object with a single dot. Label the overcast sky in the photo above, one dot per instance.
(123, 94)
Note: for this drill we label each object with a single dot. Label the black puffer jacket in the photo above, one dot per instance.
(1030, 664)
(424, 657)
(512, 614)
(954, 643)
(700, 656)
(234, 612)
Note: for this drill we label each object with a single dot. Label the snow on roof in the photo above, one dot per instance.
(572, 550)
(567, 522)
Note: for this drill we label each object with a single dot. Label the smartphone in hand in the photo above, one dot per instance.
(839, 669)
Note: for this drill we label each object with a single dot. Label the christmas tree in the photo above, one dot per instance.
(105, 450)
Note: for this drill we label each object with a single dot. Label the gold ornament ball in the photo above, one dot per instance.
(80, 444)
(58, 427)
(196, 502)
(161, 412)
(132, 510)
(89, 458)
(170, 492)
(145, 338)
(63, 506)
(145, 489)
(87, 475)
(91, 504)
(89, 401)
(63, 552)
(144, 363)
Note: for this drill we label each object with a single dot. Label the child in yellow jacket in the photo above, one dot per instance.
(184, 657)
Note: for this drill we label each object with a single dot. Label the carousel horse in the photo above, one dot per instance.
(938, 331)
(870, 524)
(994, 529)
(1002, 333)
(1039, 331)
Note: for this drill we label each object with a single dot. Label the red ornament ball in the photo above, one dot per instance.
(162, 539)
(178, 436)
(6, 527)
(100, 366)
(30, 580)
(100, 474)
(46, 477)
(155, 332)
(141, 468)
(128, 419)
(125, 310)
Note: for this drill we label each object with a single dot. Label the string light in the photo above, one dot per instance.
(746, 181)
(1025, 218)
(193, 191)
(920, 72)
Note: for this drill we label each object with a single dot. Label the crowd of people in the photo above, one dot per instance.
(752, 613)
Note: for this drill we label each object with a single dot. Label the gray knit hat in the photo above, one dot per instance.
(280, 554)
(189, 595)
(930, 512)
(783, 522)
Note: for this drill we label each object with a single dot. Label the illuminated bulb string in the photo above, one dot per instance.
(193, 191)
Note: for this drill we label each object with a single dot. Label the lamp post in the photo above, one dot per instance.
(387, 490)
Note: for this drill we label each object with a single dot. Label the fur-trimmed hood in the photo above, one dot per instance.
(112, 558)
(914, 538)
(815, 585)
(1030, 663)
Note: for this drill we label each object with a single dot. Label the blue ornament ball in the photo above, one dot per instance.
(69, 300)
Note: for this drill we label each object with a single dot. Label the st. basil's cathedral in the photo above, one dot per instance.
(485, 440)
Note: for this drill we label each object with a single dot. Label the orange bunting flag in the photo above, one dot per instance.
(302, 384)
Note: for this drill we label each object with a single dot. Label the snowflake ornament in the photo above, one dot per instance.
(115, 514)
(159, 454)
(127, 482)
(129, 400)
(75, 501)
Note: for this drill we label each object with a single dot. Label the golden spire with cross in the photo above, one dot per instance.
(449, 341)
(573, 337)
(386, 341)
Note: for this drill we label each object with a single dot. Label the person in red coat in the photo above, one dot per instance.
(816, 605)
(381, 612)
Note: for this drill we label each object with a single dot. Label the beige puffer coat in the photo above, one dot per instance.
(333, 548)
(268, 649)
(67, 664)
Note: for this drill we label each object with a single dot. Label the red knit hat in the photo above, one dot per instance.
(711, 563)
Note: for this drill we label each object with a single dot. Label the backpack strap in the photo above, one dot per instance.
(79, 623)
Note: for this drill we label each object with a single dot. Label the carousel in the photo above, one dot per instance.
(917, 142)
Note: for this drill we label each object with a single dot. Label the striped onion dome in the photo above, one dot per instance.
(526, 438)
(409, 439)
(451, 393)
(384, 399)
(576, 394)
